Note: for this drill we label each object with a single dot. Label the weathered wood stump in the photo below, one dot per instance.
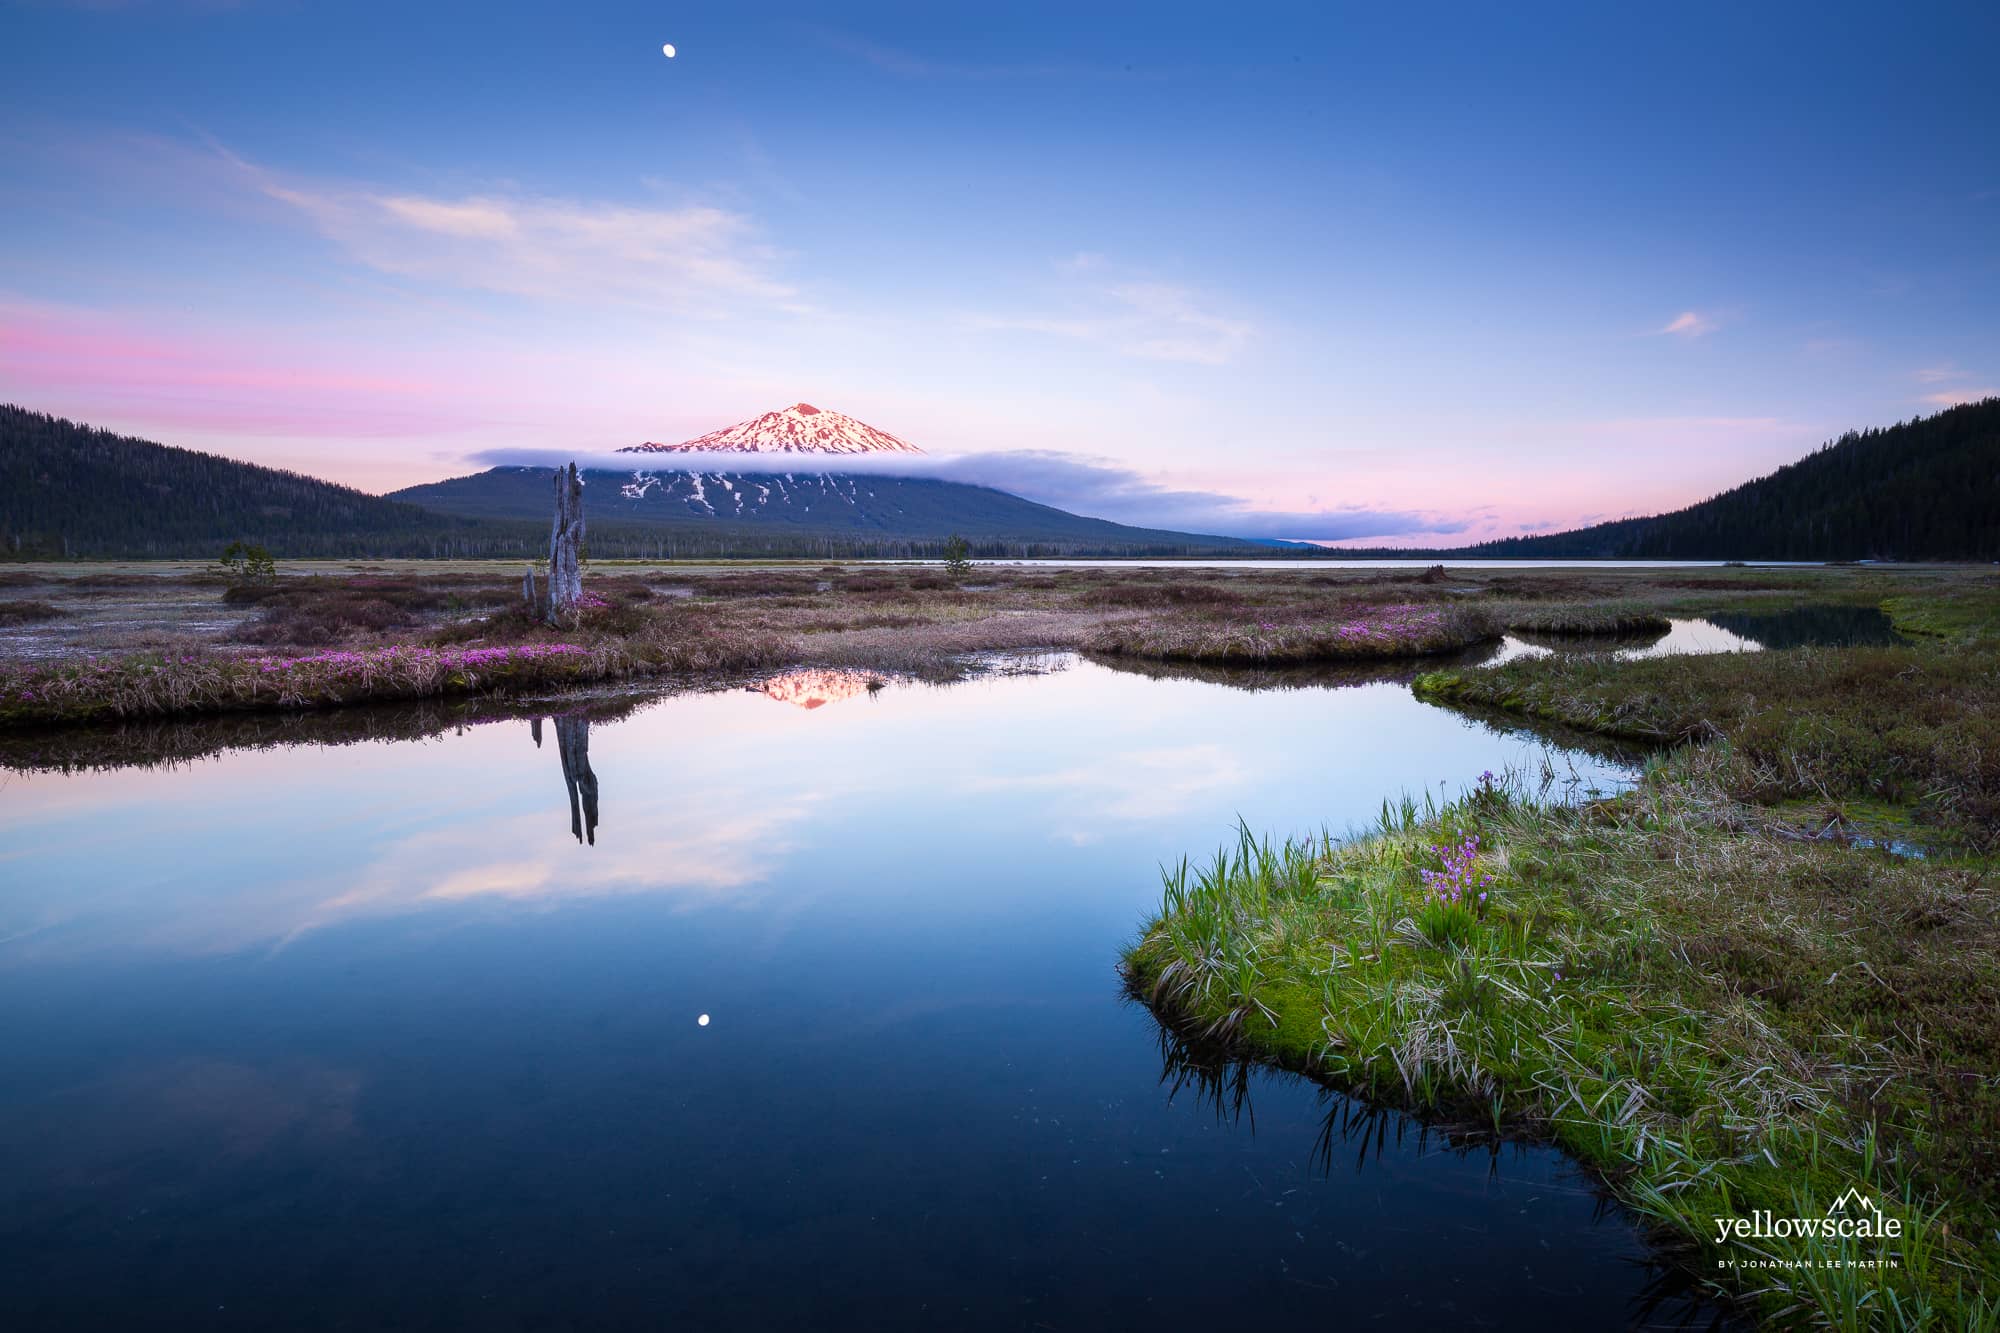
(566, 547)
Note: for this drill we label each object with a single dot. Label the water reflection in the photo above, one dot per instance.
(181, 742)
(458, 1042)
(1692, 636)
(442, 812)
(573, 744)
(810, 689)
(1812, 626)
(1362, 1137)
(1300, 676)
(1635, 644)
(1722, 632)
(105, 1136)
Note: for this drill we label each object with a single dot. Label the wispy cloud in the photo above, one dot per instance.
(1690, 324)
(684, 259)
(1953, 386)
(1154, 321)
(687, 258)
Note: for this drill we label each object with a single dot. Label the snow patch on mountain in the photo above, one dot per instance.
(798, 429)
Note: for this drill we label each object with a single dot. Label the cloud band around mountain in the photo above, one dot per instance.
(1090, 487)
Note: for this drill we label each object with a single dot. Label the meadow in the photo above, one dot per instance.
(90, 643)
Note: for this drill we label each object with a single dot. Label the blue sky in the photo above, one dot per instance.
(1465, 270)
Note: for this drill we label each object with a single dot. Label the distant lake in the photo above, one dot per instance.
(408, 1032)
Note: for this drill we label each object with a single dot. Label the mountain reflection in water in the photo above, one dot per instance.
(811, 689)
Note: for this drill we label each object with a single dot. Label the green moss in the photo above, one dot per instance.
(1956, 613)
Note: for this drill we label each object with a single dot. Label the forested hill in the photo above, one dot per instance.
(1927, 489)
(69, 490)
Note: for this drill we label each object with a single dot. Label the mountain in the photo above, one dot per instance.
(798, 429)
(1925, 489)
(760, 510)
(70, 490)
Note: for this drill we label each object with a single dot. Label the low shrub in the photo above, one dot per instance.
(29, 613)
(1354, 633)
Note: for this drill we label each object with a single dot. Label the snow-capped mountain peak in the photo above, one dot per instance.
(798, 429)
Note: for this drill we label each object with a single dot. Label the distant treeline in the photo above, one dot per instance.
(67, 490)
(1926, 489)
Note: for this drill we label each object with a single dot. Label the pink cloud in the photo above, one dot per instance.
(128, 366)
(53, 354)
(1957, 397)
(1689, 324)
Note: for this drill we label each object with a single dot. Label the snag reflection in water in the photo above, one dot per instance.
(573, 744)
(573, 748)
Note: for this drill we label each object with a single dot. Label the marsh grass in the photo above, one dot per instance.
(166, 684)
(1912, 727)
(1585, 618)
(1326, 633)
(1639, 993)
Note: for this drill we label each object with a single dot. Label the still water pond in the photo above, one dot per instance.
(405, 1033)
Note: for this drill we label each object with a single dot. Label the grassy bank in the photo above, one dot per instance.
(1834, 732)
(167, 742)
(1712, 990)
(176, 685)
(500, 652)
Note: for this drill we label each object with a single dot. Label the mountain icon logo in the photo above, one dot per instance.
(1852, 1195)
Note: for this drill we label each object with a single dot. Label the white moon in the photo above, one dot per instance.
(703, 1020)
(668, 50)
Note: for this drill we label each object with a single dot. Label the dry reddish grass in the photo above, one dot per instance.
(898, 617)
